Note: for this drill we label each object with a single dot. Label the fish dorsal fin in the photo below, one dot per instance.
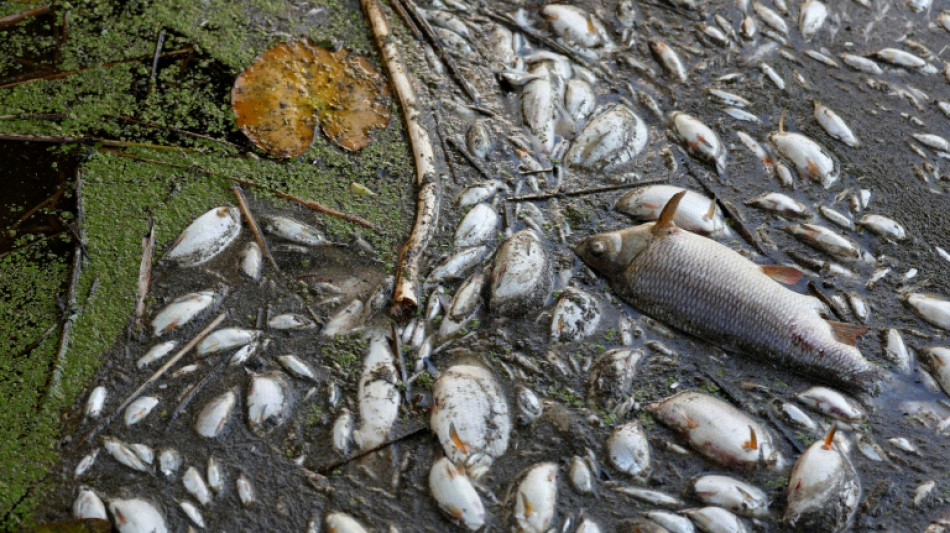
(830, 437)
(711, 213)
(665, 223)
(782, 274)
(846, 333)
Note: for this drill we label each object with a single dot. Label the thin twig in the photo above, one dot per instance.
(158, 53)
(433, 39)
(145, 274)
(142, 123)
(32, 346)
(33, 116)
(316, 206)
(71, 139)
(405, 295)
(158, 373)
(51, 199)
(252, 223)
(582, 192)
(401, 361)
(324, 470)
(16, 18)
(816, 291)
(407, 19)
(58, 75)
(193, 391)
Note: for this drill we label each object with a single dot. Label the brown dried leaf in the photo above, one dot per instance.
(281, 97)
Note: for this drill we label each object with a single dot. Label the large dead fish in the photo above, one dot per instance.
(709, 290)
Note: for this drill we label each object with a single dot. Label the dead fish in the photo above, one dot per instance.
(575, 317)
(470, 417)
(821, 58)
(447, 20)
(139, 409)
(477, 193)
(454, 42)
(792, 414)
(137, 516)
(782, 205)
(900, 58)
(344, 321)
(342, 432)
(124, 454)
(574, 25)
(291, 321)
(937, 360)
(536, 498)
(155, 353)
(252, 261)
(192, 513)
(169, 461)
(749, 28)
(696, 213)
(580, 475)
(834, 125)
(654, 267)
(896, 351)
(823, 489)
(292, 230)
(629, 450)
(522, 275)
(587, 526)
(863, 64)
(838, 218)
(206, 237)
(455, 494)
(811, 17)
(825, 240)
(932, 308)
(653, 497)
(338, 522)
(95, 402)
(268, 401)
(537, 108)
(89, 506)
(611, 376)
(883, 227)
(731, 494)
(770, 18)
(700, 140)
(832, 403)
(378, 395)
(226, 339)
(610, 140)
(529, 406)
(729, 98)
(457, 266)
(297, 367)
(85, 464)
(478, 139)
(181, 311)
(718, 430)
(669, 59)
(478, 227)
(579, 100)
(465, 304)
(772, 76)
(245, 490)
(715, 520)
(810, 158)
(196, 486)
(671, 522)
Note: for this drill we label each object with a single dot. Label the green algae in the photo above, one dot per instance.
(122, 192)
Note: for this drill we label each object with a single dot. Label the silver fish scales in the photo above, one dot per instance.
(713, 292)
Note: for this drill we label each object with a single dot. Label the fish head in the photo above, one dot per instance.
(610, 253)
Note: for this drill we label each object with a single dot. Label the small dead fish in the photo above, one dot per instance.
(252, 261)
(137, 516)
(291, 321)
(782, 205)
(932, 308)
(378, 395)
(457, 266)
(811, 17)
(245, 490)
(292, 230)
(89, 506)
(455, 494)
(139, 409)
(338, 522)
(832, 403)
(823, 489)
(575, 317)
(700, 140)
(937, 360)
(478, 140)
(95, 402)
(883, 227)
(169, 461)
(529, 405)
(522, 275)
(611, 376)
(653, 497)
(206, 237)
(226, 339)
(861, 64)
(536, 498)
(696, 212)
(196, 486)
(629, 450)
(85, 464)
(268, 401)
(716, 519)
(610, 140)
(900, 58)
(729, 98)
(932, 141)
(810, 158)
(838, 218)
(825, 240)
(580, 475)
(478, 227)
(124, 454)
(772, 76)
(579, 100)
(181, 311)
(342, 433)
(770, 18)
(192, 513)
(834, 125)
(731, 494)
(465, 304)
(575, 25)
(297, 367)
(792, 414)
(669, 59)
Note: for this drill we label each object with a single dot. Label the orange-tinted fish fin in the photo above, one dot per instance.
(457, 440)
(846, 333)
(783, 274)
(665, 222)
(711, 213)
(753, 442)
(830, 437)
(690, 423)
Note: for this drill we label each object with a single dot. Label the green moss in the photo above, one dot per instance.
(191, 92)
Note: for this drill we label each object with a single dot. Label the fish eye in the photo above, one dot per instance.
(598, 248)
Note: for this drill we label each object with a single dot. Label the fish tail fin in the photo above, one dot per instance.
(665, 223)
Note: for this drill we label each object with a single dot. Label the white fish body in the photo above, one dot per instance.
(245, 490)
(193, 513)
(574, 25)
(579, 100)
(155, 353)
(89, 506)
(646, 203)
(900, 58)
(716, 520)
(522, 275)
(291, 321)
(466, 302)
(458, 265)
(536, 498)
(378, 395)
(293, 230)
(823, 489)
(937, 359)
(896, 351)
(812, 16)
(770, 17)
(930, 307)
(732, 494)
(610, 140)
(883, 227)
(669, 59)
(181, 311)
(297, 367)
(455, 494)
(268, 401)
(611, 376)
(169, 461)
(826, 240)
(342, 432)
(125, 455)
(537, 107)
(810, 158)
(338, 522)
(346, 320)
(832, 403)
(206, 237)
(251, 261)
(863, 64)
(673, 522)
(782, 205)
(196, 486)
(629, 450)
(139, 409)
(581, 477)
(700, 139)
(137, 516)
(478, 227)
(96, 401)
(575, 317)
(226, 339)
(835, 125)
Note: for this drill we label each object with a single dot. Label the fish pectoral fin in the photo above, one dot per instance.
(665, 223)
(846, 333)
(783, 274)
